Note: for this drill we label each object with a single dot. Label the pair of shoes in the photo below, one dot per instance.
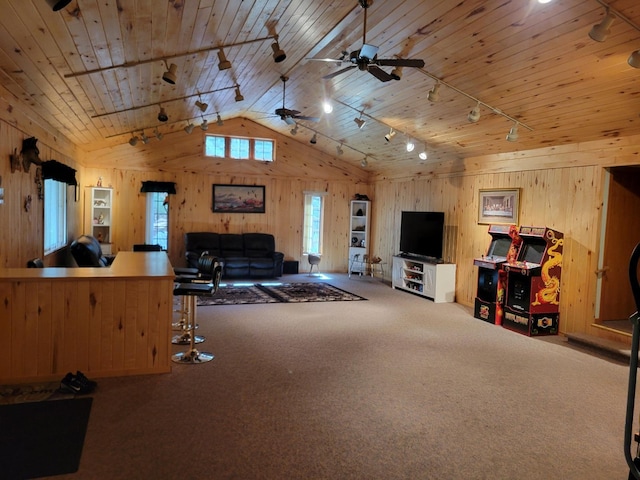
(77, 384)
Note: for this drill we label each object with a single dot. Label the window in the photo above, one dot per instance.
(312, 226)
(55, 215)
(157, 225)
(240, 148)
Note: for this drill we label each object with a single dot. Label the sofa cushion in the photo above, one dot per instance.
(231, 245)
(260, 245)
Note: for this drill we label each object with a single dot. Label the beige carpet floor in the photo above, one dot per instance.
(395, 387)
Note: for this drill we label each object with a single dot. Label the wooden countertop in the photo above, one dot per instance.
(125, 265)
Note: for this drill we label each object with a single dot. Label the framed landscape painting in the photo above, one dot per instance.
(238, 198)
(499, 206)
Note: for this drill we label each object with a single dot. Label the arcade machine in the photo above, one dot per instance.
(504, 247)
(533, 283)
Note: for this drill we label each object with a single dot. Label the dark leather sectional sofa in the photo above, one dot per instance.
(244, 255)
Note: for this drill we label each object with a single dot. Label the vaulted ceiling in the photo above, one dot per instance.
(93, 70)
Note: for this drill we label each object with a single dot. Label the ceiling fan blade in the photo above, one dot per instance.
(310, 119)
(400, 62)
(334, 74)
(379, 73)
(330, 60)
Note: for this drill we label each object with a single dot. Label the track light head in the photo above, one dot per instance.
(189, 128)
(390, 135)
(223, 63)
(601, 31)
(339, 150)
(396, 73)
(294, 130)
(144, 138)
(133, 141)
(58, 4)
(162, 116)
(423, 154)
(364, 162)
(170, 75)
(239, 96)
(410, 146)
(158, 135)
(634, 59)
(202, 106)
(474, 115)
(219, 121)
(204, 126)
(278, 53)
(327, 107)
(360, 122)
(434, 93)
(314, 139)
(512, 136)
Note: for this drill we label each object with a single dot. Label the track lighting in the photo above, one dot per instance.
(219, 121)
(634, 59)
(396, 73)
(189, 128)
(601, 31)
(278, 53)
(339, 150)
(364, 162)
(170, 75)
(314, 139)
(162, 116)
(204, 126)
(474, 115)
(434, 93)
(390, 135)
(158, 135)
(223, 64)
(202, 106)
(58, 4)
(512, 136)
(133, 141)
(144, 138)
(410, 146)
(294, 130)
(360, 122)
(239, 96)
(327, 107)
(423, 154)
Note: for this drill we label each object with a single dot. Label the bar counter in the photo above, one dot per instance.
(111, 321)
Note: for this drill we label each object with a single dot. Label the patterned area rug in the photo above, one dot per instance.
(275, 293)
(10, 394)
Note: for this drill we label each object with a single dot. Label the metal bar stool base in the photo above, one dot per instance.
(185, 339)
(192, 357)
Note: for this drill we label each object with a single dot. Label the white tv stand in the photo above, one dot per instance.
(436, 281)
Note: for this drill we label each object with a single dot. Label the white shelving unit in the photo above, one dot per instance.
(436, 281)
(359, 235)
(99, 215)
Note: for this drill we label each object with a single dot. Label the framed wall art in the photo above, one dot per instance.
(238, 198)
(498, 206)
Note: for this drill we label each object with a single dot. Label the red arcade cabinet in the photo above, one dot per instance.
(533, 283)
(504, 246)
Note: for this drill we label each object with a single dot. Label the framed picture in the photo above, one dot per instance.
(499, 206)
(238, 198)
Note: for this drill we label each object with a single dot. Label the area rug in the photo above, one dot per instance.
(278, 293)
(237, 295)
(37, 392)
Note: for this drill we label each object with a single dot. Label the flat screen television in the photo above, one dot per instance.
(421, 234)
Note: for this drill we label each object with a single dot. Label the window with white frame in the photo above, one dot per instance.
(55, 215)
(157, 222)
(312, 223)
(239, 148)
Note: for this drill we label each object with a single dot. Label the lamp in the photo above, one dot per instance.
(410, 146)
(396, 73)
(144, 138)
(170, 75)
(133, 141)
(202, 106)
(158, 135)
(634, 59)
(360, 122)
(219, 121)
(204, 126)
(278, 53)
(601, 31)
(239, 96)
(294, 130)
(434, 93)
(223, 64)
(58, 4)
(162, 116)
(189, 128)
(314, 139)
(339, 150)
(474, 115)
(390, 135)
(512, 136)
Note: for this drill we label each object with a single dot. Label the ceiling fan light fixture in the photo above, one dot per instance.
(360, 122)
(278, 53)
(202, 106)
(314, 139)
(634, 59)
(204, 126)
(601, 31)
(512, 136)
(133, 141)
(223, 63)
(239, 97)
(162, 115)
(170, 75)
(396, 73)
(434, 93)
(474, 115)
(390, 135)
(58, 4)
(189, 128)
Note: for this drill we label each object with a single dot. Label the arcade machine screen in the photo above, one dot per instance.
(499, 247)
(533, 251)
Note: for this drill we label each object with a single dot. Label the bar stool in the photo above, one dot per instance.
(314, 259)
(191, 291)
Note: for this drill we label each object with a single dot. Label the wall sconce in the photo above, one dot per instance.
(162, 116)
(278, 53)
(223, 64)
(58, 4)
(239, 96)
(170, 75)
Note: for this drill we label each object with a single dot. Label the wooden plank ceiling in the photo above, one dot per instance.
(533, 62)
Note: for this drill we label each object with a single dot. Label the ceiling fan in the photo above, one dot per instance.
(290, 116)
(366, 58)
